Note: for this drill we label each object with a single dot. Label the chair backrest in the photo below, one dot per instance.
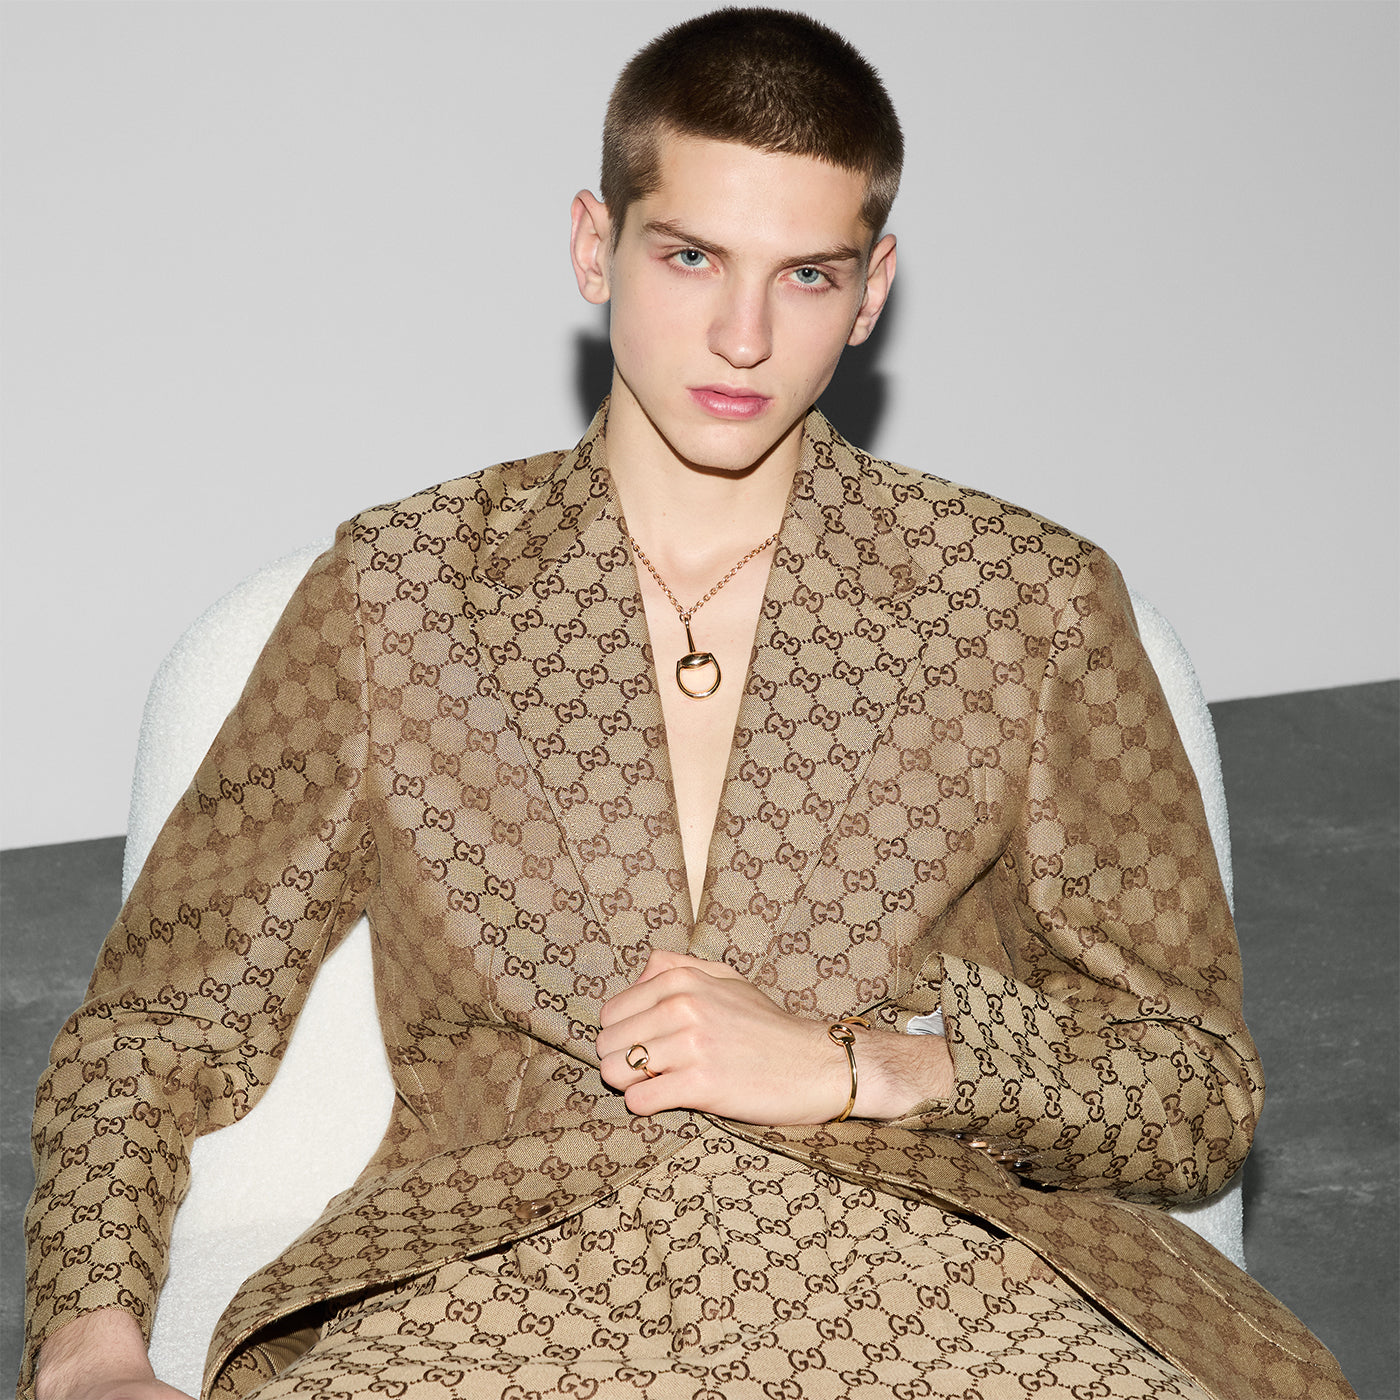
(1220, 1219)
(327, 1108)
(1182, 688)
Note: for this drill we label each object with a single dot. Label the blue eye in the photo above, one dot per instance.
(691, 257)
(809, 276)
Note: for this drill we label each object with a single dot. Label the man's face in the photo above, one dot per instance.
(734, 287)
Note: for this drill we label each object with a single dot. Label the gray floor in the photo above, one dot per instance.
(1311, 781)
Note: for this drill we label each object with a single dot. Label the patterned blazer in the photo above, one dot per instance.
(954, 785)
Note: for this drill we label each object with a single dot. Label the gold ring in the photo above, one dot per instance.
(640, 1062)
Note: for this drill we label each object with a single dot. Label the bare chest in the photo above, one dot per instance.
(700, 727)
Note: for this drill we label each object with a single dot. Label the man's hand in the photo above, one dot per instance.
(715, 1043)
(99, 1356)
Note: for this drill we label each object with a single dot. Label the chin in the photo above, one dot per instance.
(732, 447)
(734, 459)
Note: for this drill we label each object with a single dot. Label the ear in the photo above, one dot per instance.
(879, 277)
(590, 245)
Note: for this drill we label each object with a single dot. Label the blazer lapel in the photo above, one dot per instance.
(562, 625)
(831, 655)
(567, 640)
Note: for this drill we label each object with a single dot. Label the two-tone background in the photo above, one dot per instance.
(267, 263)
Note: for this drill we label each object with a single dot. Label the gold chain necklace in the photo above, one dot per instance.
(694, 660)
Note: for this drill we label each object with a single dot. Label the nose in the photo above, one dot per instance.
(742, 329)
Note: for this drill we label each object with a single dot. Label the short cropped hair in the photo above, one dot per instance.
(770, 79)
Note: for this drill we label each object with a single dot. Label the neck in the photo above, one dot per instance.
(693, 520)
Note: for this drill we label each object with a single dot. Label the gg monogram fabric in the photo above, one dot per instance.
(736, 1273)
(954, 784)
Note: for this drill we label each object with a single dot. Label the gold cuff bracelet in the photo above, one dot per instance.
(842, 1034)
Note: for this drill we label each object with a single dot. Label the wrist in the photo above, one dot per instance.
(93, 1347)
(899, 1072)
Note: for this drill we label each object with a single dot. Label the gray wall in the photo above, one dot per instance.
(266, 264)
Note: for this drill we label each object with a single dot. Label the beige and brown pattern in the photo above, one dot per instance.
(954, 783)
(734, 1272)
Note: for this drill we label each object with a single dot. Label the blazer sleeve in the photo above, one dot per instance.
(1114, 1056)
(265, 862)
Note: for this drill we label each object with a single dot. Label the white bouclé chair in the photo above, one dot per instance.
(326, 1110)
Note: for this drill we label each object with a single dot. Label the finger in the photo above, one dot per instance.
(614, 1045)
(637, 1058)
(683, 1081)
(631, 1001)
(666, 1091)
(669, 975)
(676, 1083)
(677, 1002)
(661, 960)
(631, 1064)
(664, 960)
(648, 1027)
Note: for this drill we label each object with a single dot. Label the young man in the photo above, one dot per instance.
(682, 775)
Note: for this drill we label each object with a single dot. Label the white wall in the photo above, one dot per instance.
(268, 263)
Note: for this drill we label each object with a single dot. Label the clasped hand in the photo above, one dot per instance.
(715, 1043)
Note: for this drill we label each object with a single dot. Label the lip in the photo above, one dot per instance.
(722, 401)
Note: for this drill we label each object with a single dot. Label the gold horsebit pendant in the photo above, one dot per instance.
(696, 661)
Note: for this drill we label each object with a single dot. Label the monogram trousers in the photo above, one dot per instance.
(726, 1273)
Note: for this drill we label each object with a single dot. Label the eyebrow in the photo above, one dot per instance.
(669, 228)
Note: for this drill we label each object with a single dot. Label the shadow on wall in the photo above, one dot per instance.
(854, 400)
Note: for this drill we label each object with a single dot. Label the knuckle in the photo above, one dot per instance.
(690, 1005)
